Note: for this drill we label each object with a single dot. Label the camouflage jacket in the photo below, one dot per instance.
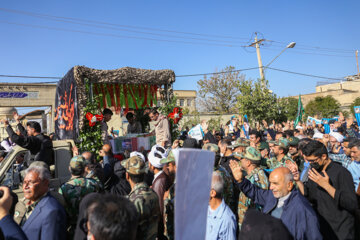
(258, 178)
(228, 188)
(274, 163)
(146, 202)
(73, 191)
(169, 211)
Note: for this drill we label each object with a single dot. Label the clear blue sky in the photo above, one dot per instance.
(27, 50)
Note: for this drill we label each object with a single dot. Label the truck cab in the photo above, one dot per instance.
(59, 171)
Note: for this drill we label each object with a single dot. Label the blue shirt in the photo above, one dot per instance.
(354, 169)
(221, 223)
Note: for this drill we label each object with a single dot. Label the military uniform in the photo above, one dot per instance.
(257, 177)
(145, 200)
(273, 162)
(228, 193)
(75, 189)
(169, 203)
(169, 210)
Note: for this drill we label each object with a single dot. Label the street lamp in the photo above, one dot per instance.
(290, 45)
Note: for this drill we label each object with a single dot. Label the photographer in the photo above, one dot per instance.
(10, 230)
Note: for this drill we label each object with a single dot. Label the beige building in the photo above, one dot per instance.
(185, 99)
(345, 92)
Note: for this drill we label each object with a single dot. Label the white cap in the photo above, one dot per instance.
(338, 136)
(318, 136)
(132, 154)
(155, 158)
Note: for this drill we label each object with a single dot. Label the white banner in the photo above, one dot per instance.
(192, 192)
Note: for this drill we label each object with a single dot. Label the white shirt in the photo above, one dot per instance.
(156, 175)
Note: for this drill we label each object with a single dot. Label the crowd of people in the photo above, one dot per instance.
(270, 181)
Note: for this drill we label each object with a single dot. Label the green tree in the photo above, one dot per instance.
(214, 123)
(190, 121)
(356, 102)
(325, 107)
(257, 101)
(218, 93)
(288, 107)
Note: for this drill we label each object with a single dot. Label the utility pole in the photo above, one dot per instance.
(257, 46)
(357, 61)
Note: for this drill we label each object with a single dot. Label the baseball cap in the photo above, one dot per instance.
(263, 145)
(77, 163)
(134, 165)
(293, 141)
(211, 147)
(282, 142)
(240, 142)
(170, 158)
(251, 153)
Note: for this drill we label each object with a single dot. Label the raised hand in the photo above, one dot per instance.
(236, 170)
(322, 181)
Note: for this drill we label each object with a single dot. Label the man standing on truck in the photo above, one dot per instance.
(32, 139)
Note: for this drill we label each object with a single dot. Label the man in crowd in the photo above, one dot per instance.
(294, 154)
(133, 126)
(228, 191)
(144, 198)
(162, 129)
(250, 163)
(76, 188)
(281, 149)
(32, 139)
(161, 182)
(335, 140)
(2, 155)
(225, 153)
(343, 158)
(354, 167)
(265, 153)
(169, 197)
(41, 216)
(255, 138)
(112, 217)
(282, 201)
(221, 221)
(331, 191)
(107, 114)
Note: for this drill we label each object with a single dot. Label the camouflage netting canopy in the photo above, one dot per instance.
(126, 75)
(136, 81)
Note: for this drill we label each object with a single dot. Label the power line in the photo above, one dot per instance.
(311, 53)
(117, 36)
(118, 25)
(200, 74)
(304, 74)
(121, 28)
(213, 73)
(18, 76)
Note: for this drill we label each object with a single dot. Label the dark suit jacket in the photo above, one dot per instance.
(160, 186)
(47, 221)
(10, 229)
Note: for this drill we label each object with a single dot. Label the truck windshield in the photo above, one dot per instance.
(6, 158)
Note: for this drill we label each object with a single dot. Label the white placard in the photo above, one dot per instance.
(192, 192)
(196, 132)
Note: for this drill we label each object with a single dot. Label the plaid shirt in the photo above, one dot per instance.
(341, 158)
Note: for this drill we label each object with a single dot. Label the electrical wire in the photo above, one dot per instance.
(202, 74)
(117, 36)
(305, 74)
(129, 30)
(117, 25)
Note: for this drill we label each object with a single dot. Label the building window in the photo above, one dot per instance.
(182, 102)
(188, 102)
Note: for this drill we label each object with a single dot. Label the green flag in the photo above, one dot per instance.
(300, 112)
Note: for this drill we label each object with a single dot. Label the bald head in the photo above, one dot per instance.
(281, 182)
